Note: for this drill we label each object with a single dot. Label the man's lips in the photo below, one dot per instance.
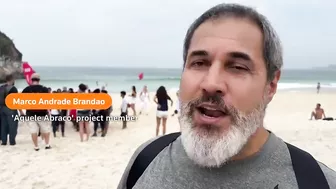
(209, 114)
(211, 106)
(211, 110)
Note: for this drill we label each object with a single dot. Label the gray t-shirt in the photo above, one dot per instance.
(268, 169)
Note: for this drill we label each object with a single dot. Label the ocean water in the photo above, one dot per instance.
(117, 79)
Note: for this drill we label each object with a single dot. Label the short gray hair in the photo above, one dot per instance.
(272, 49)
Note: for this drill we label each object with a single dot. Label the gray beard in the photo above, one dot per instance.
(207, 147)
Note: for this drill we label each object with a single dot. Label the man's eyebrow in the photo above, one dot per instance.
(198, 53)
(240, 55)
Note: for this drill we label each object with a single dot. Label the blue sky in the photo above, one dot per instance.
(150, 33)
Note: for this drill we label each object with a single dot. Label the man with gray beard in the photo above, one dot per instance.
(232, 65)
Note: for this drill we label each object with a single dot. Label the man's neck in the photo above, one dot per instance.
(255, 143)
(35, 83)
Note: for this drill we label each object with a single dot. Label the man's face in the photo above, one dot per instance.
(223, 90)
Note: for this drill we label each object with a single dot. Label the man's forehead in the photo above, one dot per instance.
(228, 35)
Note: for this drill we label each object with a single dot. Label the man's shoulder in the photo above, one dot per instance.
(35, 88)
(329, 174)
(143, 146)
(39, 86)
(123, 180)
(167, 140)
(26, 89)
(45, 89)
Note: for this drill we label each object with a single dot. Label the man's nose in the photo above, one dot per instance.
(213, 81)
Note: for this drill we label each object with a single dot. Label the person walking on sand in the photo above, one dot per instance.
(97, 121)
(94, 114)
(123, 108)
(144, 98)
(83, 117)
(133, 100)
(161, 99)
(41, 124)
(105, 122)
(232, 65)
(73, 116)
(63, 114)
(318, 87)
(55, 123)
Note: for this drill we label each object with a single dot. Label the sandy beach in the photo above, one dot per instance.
(100, 162)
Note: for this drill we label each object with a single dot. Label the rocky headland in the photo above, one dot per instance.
(10, 58)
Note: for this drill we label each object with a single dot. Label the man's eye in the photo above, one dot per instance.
(239, 68)
(198, 64)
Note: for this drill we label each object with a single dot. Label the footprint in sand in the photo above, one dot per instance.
(39, 185)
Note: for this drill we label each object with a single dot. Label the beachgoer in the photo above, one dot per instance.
(64, 90)
(177, 110)
(8, 125)
(133, 99)
(318, 87)
(63, 114)
(41, 124)
(96, 121)
(55, 113)
(144, 98)
(319, 113)
(105, 114)
(123, 108)
(83, 115)
(232, 66)
(103, 88)
(73, 116)
(161, 99)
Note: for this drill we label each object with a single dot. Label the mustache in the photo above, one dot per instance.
(213, 99)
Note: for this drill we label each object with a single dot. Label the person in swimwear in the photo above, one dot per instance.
(144, 100)
(133, 100)
(318, 113)
(161, 99)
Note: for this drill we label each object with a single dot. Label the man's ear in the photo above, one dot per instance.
(273, 85)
